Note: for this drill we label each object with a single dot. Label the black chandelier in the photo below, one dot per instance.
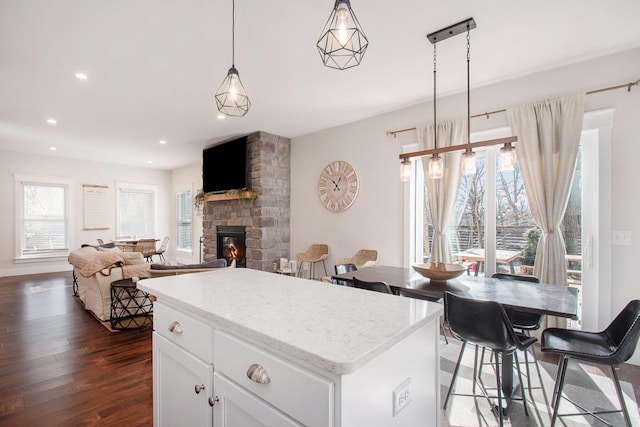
(342, 43)
(231, 98)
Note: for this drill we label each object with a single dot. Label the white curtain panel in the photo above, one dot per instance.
(442, 193)
(548, 137)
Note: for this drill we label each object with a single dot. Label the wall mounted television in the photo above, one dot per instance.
(224, 166)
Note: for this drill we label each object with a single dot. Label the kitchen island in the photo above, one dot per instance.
(240, 347)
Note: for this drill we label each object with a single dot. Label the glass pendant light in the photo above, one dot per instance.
(436, 166)
(405, 170)
(468, 164)
(231, 98)
(342, 43)
(507, 162)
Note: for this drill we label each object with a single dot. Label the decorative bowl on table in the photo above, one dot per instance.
(439, 271)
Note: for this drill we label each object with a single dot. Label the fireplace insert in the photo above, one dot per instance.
(231, 244)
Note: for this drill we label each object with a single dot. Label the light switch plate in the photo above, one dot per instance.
(621, 238)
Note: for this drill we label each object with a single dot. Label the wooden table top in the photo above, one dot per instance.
(477, 254)
(540, 298)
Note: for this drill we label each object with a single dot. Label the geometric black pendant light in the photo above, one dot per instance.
(231, 98)
(342, 43)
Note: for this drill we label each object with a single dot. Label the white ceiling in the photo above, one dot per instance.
(154, 66)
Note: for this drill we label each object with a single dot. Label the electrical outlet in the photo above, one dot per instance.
(621, 238)
(402, 396)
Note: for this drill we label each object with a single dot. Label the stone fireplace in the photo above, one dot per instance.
(265, 219)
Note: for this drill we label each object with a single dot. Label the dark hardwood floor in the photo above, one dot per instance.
(60, 367)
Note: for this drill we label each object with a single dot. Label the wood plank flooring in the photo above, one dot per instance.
(60, 367)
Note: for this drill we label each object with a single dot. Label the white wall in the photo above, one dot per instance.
(79, 172)
(376, 219)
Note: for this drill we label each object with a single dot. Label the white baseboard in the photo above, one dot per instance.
(25, 270)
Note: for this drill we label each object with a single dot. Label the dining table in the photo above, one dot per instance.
(477, 256)
(540, 298)
(130, 245)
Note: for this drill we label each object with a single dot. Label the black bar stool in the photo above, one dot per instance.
(611, 347)
(485, 324)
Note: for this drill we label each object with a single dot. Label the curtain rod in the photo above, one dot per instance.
(488, 113)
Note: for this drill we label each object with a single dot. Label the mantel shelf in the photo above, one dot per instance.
(232, 196)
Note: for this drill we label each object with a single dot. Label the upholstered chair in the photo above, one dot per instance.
(317, 252)
(362, 259)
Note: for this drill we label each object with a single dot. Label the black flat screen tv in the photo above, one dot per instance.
(224, 166)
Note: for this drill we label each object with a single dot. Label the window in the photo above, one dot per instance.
(183, 217)
(491, 214)
(136, 210)
(43, 222)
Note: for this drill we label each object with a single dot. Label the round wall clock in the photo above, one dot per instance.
(338, 186)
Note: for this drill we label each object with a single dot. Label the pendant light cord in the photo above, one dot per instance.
(233, 33)
(468, 88)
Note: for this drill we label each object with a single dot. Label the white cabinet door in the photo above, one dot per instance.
(236, 406)
(182, 385)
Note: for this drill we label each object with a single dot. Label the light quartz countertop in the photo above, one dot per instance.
(334, 328)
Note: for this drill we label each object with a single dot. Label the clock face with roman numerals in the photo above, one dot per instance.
(338, 186)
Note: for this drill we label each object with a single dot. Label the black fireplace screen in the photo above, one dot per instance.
(231, 244)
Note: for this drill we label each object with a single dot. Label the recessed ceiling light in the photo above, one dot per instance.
(52, 121)
(221, 116)
(149, 162)
(52, 148)
(163, 142)
(81, 76)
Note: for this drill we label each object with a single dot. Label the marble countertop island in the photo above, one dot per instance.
(338, 329)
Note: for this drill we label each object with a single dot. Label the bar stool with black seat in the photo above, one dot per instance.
(525, 323)
(485, 324)
(611, 347)
(372, 286)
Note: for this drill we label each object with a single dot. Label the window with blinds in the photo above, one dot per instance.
(44, 221)
(136, 212)
(184, 223)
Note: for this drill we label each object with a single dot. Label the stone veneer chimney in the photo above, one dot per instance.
(266, 218)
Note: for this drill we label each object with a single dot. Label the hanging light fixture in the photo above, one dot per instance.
(468, 165)
(507, 162)
(342, 43)
(405, 170)
(231, 98)
(436, 168)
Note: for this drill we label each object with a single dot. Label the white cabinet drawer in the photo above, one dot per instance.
(236, 407)
(180, 328)
(295, 391)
